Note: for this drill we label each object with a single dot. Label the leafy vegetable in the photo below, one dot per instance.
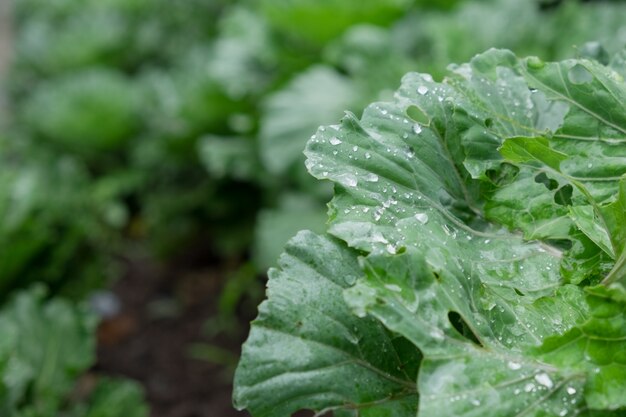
(46, 346)
(431, 190)
(88, 112)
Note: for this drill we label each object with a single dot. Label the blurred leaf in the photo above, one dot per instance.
(229, 157)
(87, 112)
(38, 240)
(45, 347)
(318, 96)
(275, 226)
(318, 21)
(244, 57)
(115, 398)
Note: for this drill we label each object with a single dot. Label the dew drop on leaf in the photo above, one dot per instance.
(334, 141)
(578, 74)
(544, 380)
(393, 287)
(422, 218)
(371, 177)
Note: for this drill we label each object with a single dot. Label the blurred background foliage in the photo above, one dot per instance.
(163, 125)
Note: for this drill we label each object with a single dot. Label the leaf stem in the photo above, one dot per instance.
(618, 272)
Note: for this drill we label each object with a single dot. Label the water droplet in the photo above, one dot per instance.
(348, 180)
(544, 380)
(475, 402)
(571, 390)
(367, 155)
(391, 249)
(417, 128)
(578, 74)
(334, 141)
(349, 279)
(393, 287)
(436, 334)
(371, 177)
(422, 218)
(514, 365)
(422, 89)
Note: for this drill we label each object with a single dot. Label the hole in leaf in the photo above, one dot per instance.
(518, 292)
(561, 244)
(418, 115)
(461, 326)
(488, 122)
(550, 183)
(437, 277)
(563, 196)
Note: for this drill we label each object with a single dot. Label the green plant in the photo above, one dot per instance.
(474, 262)
(46, 346)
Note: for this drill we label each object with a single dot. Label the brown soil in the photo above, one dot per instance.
(165, 311)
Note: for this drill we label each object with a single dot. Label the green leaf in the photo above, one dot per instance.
(519, 150)
(585, 219)
(275, 226)
(243, 54)
(477, 300)
(318, 21)
(614, 215)
(596, 349)
(45, 347)
(470, 367)
(229, 157)
(114, 398)
(306, 350)
(592, 133)
(87, 112)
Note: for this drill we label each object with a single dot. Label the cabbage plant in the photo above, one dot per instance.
(474, 258)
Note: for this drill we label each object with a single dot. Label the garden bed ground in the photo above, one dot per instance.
(164, 311)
